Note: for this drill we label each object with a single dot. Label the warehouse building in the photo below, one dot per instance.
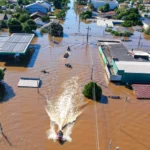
(16, 43)
(125, 66)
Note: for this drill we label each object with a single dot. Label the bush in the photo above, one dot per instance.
(1, 74)
(12, 6)
(147, 31)
(86, 14)
(56, 29)
(108, 29)
(43, 30)
(3, 24)
(14, 25)
(23, 18)
(88, 91)
(45, 18)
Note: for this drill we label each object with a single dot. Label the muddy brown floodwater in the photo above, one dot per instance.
(23, 115)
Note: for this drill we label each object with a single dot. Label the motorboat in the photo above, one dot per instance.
(68, 65)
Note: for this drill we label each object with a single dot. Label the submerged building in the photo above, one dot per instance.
(112, 3)
(123, 65)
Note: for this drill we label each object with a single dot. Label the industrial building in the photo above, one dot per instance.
(16, 43)
(123, 65)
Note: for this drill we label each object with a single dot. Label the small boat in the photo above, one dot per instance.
(66, 55)
(68, 65)
(60, 136)
(44, 71)
(114, 97)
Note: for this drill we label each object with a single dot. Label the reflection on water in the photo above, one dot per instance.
(66, 109)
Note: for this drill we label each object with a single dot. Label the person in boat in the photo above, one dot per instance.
(68, 48)
(60, 134)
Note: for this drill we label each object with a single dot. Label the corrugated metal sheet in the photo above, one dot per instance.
(142, 90)
(16, 43)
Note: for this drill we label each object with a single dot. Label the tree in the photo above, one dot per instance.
(132, 16)
(104, 8)
(16, 15)
(86, 14)
(61, 14)
(23, 18)
(23, 2)
(45, 18)
(26, 28)
(32, 24)
(56, 29)
(90, 88)
(1, 74)
(11, 6)
(3, 24)
(147, 30)
(14, 25)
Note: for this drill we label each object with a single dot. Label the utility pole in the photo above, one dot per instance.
(88, 33)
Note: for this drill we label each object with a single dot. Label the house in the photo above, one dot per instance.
(12, 1)
(37, 15)
(42, 7)
(112, 3)
(146, 23)
(107, 14)
(147, 6)
(123, 5)
(39, 22)
(4, 17)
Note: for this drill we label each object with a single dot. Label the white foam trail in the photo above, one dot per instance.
(66, 109)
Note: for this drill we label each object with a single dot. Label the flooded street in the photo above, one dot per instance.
(23, 114)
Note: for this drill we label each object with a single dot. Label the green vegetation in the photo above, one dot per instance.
(56, 30)
(91, 6)
(104, 8)
(2, 2)
(14, 25)
(86, 14)
(116, 33)
(3, 24)
(45, 19)
(81, 2)
(11, 6)
(43, 30)
(147, 31)
(59, 4)
(23, 2)
(131, 17)
(23, 18)
(90, 88)
(1, 75)
(61, 14)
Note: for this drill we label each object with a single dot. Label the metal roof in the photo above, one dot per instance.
(133, 67)
(16, 43)
(142, 90)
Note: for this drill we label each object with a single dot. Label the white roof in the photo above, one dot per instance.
(29, 82)
(141, 53)
(133, 67)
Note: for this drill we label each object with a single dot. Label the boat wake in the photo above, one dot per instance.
(65, 110)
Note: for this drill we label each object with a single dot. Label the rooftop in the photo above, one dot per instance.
(16, 43)
(136, 67)
(142, 90)
(120, 53)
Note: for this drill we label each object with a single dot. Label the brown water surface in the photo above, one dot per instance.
(23, 116)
